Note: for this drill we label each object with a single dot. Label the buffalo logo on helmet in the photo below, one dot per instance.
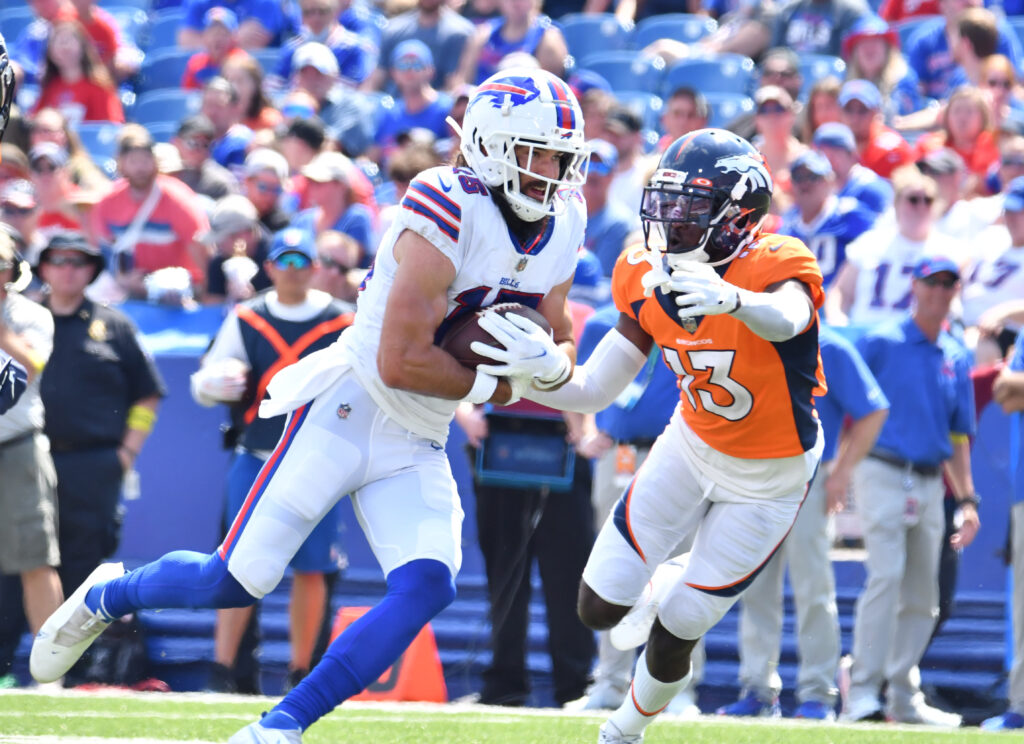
(513, 90)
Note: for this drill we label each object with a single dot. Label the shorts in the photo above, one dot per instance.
(28, 497)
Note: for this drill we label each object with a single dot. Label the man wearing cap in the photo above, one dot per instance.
(258, 338)
(443, 30)
(148, 221)
(260, 23)
(19, 208)
(958, 217)
(355, 54)
(880, 148)
(775, 119)
(609, 223)
(329, 189)
(925, 374)
(622, 128)
(240, 244)
(836, 142)
(101, 392)
(200, 172)
(823, 221)
(222, 106)
(56, 193)
(417, 104)
(265, 175)
(219, 45)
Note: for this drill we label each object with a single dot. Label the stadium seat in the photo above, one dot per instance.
(627, 70)
(163, 33)
(99, 138)
(165, 105)
(134, 23)
(268, 58)
(685, 27)
(726, 107)
(586, 34)
(110, 5)
(907, 28)
(1017, 24)
(723, 73)
(162, 131)
(14, 20)
(647, 105)
(163, 68)
(815, 67)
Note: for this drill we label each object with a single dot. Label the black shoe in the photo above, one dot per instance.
(221, 679)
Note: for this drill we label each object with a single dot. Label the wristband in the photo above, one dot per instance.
(973, 499)
(141, 418)
(483, 388)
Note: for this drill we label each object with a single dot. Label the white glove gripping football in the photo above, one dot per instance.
(224, 381)
(701, 291)
(529, 351)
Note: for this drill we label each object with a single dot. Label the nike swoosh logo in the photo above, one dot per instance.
(444, 187)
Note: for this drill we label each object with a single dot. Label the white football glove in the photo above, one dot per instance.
(701, 291)
(529, 351)
(223, 381)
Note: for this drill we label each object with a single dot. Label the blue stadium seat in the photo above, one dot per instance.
(163, 33)
(165, 105)
(587, 34)
(627, 70)
(14, 20)
(110, 5)
(163, 68)
(685, 27)
(725, 107)
(268, 58)
(647, 105)
(815, 67)
(134, 23)
(723, 73)
(99, 138)
(1017, 24)
(162, 131)
(906, 28)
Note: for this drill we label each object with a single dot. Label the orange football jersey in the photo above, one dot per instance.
(742, 395)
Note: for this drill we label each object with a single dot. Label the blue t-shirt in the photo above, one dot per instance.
(852, 389)
(870, 189)
(928, 386)
(276, 17)
(841, 221)
(607, 232)
(356, 222)
(397, 120)
(927, 53)
(230, 149)
(446, 41)
(361, 19)
(645, 407)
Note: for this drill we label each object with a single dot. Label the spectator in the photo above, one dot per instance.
(609, 223)
(28, 50)
(822, 107)
(246, 75)
(1009, 393)
(854, 392)
(117, 52)
(148, 221)
(958, 218)
(967, 130)
(266, 173)
(872, 52)
(259, 337)
(825, 223)
(776, 117)
(816, 26)
(686, 110)
(999, 82)
(623, 130)
(1011, 165)
(444, 32)
(746, 29)
(329, 175)
(596, 104)
(356, 55)
(418, 105)
(101, 392)
(28, 531)
(881, 149)
(19, 208)
(871, 287)
(219, 45)
(74, 81)
(339, 274)
(199, 170)
(13, 164)
(222, 106)
(924, 373)
(50, 125)
(520, 28)
(302, 141)
(57, 195)
(240, 245)
(261, 23)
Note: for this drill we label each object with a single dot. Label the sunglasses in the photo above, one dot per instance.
(330, 263)
(779, 73)
(937, 281)
(293, 261)
(771, 107)
(999, 84)
(268, 188)
(1013, 162)
(13, 211)
(805, 176)
(43, 167)
(316, 10)
(413, 64)
(75, 262)
(197, 143)
(919, 199)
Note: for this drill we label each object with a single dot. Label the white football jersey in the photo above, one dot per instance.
(995, 276)
(453, 209)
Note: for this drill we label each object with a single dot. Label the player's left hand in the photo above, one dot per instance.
(701, 291)
(529, 351)
(969, 527)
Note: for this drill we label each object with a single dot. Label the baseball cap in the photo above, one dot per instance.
(622, 119)
(1014, 197)
(231, 214)
(49, 151)
(328, 166)
(813, 161)
(930, 265)
(584, 80)
(868, 26)
(264, 159)
(316, 55)
(168, 159)
(221, 15)
(773, 93)
(835, 134)
(410, 54)
(941, 162)
(860, 90)
(19, 193)
(292, 240)
(603, 157)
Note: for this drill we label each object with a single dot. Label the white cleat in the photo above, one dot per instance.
(69, 631)
(919, 712)
(634, 629)
(254, 733)
(610, 734)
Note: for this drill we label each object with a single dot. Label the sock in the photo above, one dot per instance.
(277, 719)
(646, 698)
(182, 579)
(416, 592)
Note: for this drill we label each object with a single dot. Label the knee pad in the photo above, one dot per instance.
(689, 613)
(430, 583)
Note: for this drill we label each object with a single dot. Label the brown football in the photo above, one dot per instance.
(457, 339)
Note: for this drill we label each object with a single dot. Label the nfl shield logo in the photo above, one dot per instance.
(690, 324)
(344, 410)
(522, 263)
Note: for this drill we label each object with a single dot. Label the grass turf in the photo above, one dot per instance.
(28, 717)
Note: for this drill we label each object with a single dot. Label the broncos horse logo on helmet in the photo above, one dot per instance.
(707, 199)
(6, 86)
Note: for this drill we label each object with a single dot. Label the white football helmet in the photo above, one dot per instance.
(533, 109)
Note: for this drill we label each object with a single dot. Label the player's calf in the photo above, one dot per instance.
(595, 612)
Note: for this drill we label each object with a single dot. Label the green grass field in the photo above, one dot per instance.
(136, 718)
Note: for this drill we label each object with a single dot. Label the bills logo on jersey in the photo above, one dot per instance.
(513, 90)
(755, 170)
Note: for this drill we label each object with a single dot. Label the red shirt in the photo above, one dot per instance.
(201, 68)
(81, 101)
(102, 28)
(899, 10)
(885, 151)
(979, 158)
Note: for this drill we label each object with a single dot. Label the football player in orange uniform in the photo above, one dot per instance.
(733, 312)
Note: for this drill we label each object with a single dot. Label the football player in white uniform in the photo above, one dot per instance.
(369, 415)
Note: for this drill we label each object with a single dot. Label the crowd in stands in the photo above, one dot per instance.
(181, 136)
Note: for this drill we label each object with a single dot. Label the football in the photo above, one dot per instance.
(465, 331)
